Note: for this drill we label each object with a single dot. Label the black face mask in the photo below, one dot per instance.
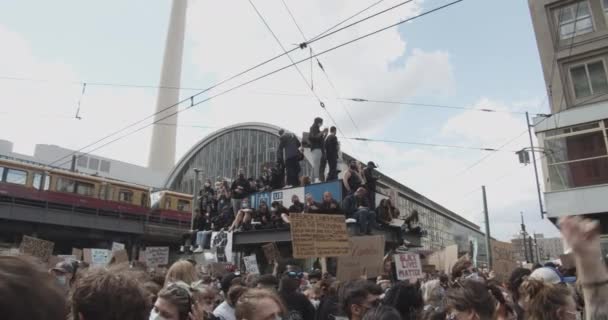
(353, 166)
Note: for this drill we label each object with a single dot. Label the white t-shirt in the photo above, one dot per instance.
(224, 311)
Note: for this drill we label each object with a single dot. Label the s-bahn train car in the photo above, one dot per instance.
(35, 184)
(170, 206)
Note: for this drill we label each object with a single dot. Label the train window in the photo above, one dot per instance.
(183, 205)
(167, 203)
(16, 176)
(85, 189)
(125, 196)
(1, 173)
(144, 199)
(65, 185)
(37, 181)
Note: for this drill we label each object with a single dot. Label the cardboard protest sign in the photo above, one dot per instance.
(119, 256)
(428, 268)
(444, 259)
(271, 252)
(67, 257)
(365, 255)
(38, 248)
(503, 256)
(117, 246)
(77, 253)
(251, 264)
(408, 266)
(397, 222)
(157, 256)
(97, 257)
(318, 235)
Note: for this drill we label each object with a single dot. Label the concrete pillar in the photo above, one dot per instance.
(164, 134)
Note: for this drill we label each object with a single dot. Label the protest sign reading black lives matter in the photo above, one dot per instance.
(408, 266)
(318, 235)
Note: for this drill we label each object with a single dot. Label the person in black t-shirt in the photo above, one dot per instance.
(298, 306)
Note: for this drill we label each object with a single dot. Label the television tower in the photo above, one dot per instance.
(164, 132)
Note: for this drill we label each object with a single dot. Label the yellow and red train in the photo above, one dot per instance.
(36, 183)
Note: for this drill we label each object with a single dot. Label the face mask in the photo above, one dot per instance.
(62, 280)
(353, 166)
(155, 316)
(315, 303)
(207, 185)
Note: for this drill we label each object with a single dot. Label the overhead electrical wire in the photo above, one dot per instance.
(320, 65)
(308, 85)
(317, 38)
(426, 144)
(193, 104)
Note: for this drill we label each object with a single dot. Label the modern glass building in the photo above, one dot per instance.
(252, 146)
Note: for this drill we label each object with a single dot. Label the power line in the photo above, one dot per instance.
(319, 37)
(333, 87)
(193, 104)
(352, 16)
(483, 109)
(427, 144)
(308, 85)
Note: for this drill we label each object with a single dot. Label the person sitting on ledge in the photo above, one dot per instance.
(243, 217)
(357, 206)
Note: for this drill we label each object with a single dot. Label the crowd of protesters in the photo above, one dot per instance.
(224, 205)
(71, 290)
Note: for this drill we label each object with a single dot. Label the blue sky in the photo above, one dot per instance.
(479, 52)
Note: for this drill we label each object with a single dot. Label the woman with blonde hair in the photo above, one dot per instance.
(545, 301)
(182, 270)
(259, 304)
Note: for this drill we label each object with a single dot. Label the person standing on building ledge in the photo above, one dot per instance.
(316, 138)
(240, 189)
(289, 156)
(332, 148)
(370, 181)
(352, 180)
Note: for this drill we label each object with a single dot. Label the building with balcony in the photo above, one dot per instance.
(572, 39)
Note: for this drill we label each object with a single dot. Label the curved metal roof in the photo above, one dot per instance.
(266, 127)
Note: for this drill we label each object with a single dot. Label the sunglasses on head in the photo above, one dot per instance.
(295, 275)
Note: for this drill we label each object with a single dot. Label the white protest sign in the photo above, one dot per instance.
(157, 256)
(408, 266)
(100, 257)
(251, 264)
(117, 246)
(67, 257)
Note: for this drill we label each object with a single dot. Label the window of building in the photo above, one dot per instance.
(589, 79)
(605, 5)
(16, 176)
(183, 205)
(93, 163)
(85, 189)
(144, 200)
(105, 166)
(125, 196)
(37, 181)
(82, 161)
(577, 157)
(574, 20)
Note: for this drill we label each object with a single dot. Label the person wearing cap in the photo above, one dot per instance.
(64, 273)
(550, 275)
(370, 182)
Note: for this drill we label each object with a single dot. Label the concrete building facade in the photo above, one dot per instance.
(572, 39)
